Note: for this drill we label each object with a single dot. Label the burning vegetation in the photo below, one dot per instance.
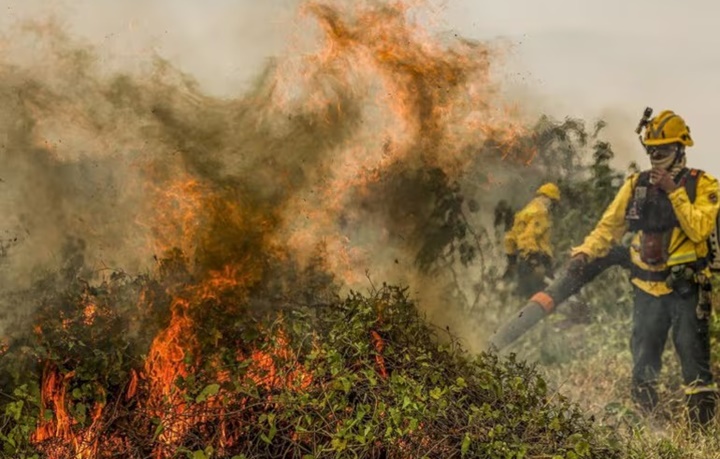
(363, 376)
(242, 339)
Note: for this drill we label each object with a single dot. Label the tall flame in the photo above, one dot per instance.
(380, 96)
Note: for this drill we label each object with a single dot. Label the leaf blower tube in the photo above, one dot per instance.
(575, 275)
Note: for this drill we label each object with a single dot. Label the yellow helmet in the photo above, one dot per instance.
(667, 128)
(550, 190)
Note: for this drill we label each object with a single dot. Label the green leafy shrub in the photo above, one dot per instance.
(376, 384)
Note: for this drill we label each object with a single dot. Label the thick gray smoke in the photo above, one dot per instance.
(335, 151)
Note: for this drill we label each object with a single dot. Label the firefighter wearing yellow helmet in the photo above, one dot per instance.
(667, 213)
(527, 244)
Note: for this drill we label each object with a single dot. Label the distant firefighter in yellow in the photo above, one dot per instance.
(527, 244)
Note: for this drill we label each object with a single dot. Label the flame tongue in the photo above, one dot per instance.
(84, 444)
(302, 159)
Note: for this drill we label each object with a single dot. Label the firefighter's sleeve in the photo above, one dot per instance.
(697, 219)
(611, 227)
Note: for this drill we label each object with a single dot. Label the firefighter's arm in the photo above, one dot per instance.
(611, 226)
(697, 219)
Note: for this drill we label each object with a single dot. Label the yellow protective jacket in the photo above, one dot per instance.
(688, 243)
(531, 231)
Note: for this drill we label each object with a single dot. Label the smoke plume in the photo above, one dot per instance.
(335, 155)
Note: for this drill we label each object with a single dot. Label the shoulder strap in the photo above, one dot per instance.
(690, 181)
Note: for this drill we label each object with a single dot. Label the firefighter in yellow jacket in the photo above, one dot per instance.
(527, 244)
(667, 213)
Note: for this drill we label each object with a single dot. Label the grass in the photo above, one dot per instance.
(591, 365)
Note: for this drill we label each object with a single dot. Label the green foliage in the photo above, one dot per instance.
(561, 150)
(447, 232)
(278, 375)
(20, 415)
(409, 397)
(567, 153)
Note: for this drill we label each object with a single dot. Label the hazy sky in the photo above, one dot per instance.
(613, 58)
(608, 58)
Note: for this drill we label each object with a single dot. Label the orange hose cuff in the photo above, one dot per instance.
(544, 300)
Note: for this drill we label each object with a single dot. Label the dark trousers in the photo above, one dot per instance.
(531, 272)
(653, 317)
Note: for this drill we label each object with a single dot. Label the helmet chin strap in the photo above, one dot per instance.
(678, 162)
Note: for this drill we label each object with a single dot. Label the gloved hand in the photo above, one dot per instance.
(511, 267)
(578, 262)
(580, 258)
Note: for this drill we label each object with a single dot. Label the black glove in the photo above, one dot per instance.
(577, 264)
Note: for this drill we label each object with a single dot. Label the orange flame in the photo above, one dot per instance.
(83, 444)
(431, 105)
(427, 105)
